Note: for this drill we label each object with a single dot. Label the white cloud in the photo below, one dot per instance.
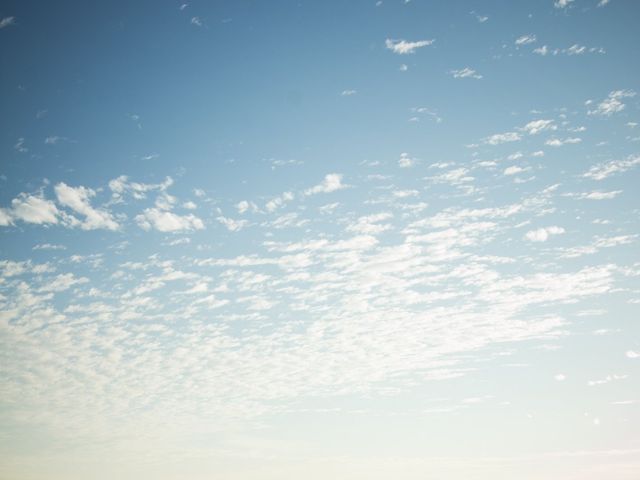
(48, 246)
(562, 3)
(607, 379)
(543, 50)
(370, 224)
(560, 377)
(121, 185)
(197, 21)
(5, 218)
(34, 209)
(599, 195)
(613, 103)
(279, 201)
(348, 93)
(514, 170)
(231, 224)
(543, 234)
(63, 282)
(243, 206)
(499, 138)
(78, 199)
(406, 161)
(466, 73)
(6, 21)
(556, 142)
(165, 221)
(331, 183)
(602, 3)
(576, 49)
(19, 146)
(604, 170)
(598, 244)
(632, 354)
(402, 47)
(525, 39)
(536, 126)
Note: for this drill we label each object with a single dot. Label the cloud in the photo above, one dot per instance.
(598, 244)
(19, 146)
(562, 3)
(166, 221)
(279, 201)
(514, 170)
(331, 183)
(574, 49)
(500, 138)
(402, 47)
(604, 170)
(5, 217)
(48, 246)
(525, 39)
(121, 185)
(33, 209)
(543, 234)
(607, 379)
(244, 206)
(556, 142)
(63, 282)
(632, 354)
(196, 21)
(613, 103)
(6, 21)
(536, 126)
(543, 50)
(465, 73)
(231, 224)
(597, 195)
(406, 161)
(348, 93)
(78, 199)
(602, 3)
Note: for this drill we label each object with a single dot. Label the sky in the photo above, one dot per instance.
(359, 240)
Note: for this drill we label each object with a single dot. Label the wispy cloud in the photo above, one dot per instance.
(403, 47)
(466, 73)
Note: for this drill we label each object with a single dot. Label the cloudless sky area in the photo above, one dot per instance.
(358, 240)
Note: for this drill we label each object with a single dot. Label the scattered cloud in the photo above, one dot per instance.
(543, 234)
(556, 142)
(403, 47)
(6, 21)
(166, 221)
(562, 3)
(525, 40)
(406, 161)
(613, 103)
(536, 126)
(500, 138)
(465, 73)
(331, 183)
(78, 200)
(604, 170)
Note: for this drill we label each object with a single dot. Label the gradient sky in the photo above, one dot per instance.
(320, 239)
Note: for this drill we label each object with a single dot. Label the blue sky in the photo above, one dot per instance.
(358, 240)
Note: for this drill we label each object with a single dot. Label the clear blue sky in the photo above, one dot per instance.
(356, 240)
